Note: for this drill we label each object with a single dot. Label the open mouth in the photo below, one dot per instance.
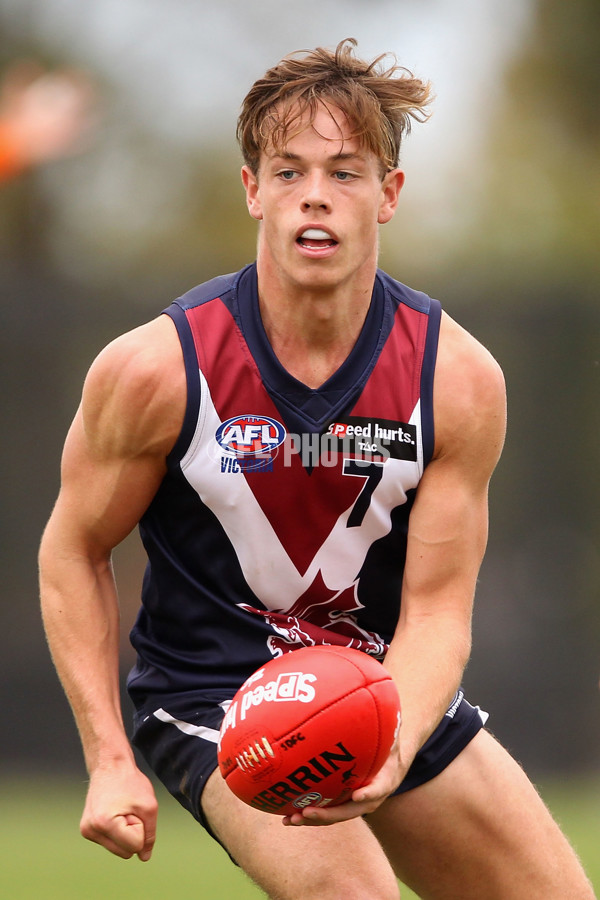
(316, 239)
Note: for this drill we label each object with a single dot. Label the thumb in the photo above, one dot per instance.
(148, 837)
(129, 833)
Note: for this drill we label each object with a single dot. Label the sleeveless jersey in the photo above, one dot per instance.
(282, 519)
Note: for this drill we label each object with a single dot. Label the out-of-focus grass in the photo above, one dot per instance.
(575, 804)
(43, 857)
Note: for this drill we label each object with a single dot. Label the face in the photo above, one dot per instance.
(320, 202)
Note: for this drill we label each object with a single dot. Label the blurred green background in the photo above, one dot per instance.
(500, 219)
(43, 856)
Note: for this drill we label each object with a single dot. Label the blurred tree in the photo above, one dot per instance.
(529, 288)
(542, 204)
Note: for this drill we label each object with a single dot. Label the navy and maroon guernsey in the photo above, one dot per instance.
(282, 519)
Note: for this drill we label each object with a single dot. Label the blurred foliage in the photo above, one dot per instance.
(541, 218)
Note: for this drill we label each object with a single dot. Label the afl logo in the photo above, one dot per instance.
(250, 435)
(311, 799)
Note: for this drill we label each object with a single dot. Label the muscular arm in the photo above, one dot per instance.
(447, 536)
(113, 462)
(446, 542)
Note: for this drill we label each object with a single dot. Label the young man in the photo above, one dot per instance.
(307, 446)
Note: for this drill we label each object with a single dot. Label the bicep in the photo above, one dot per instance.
(101, 499)
(115, 453)
(113, 462)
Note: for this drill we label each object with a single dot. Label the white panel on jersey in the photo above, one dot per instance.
(266, 566)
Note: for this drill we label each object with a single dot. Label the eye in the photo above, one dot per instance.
(287, 175)
(343, 176)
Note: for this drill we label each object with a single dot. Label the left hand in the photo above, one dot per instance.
(364, 800)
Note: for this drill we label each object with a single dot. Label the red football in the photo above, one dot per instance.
(308, 729)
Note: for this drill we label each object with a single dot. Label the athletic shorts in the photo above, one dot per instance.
(180, 746)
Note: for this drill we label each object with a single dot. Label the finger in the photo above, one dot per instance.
(123, 835)
(149, 839)
(364, 800)
(104, 840)
(313, 815)
(129, 833)
(367, 794)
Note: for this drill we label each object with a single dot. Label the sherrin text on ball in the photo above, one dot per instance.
(308, 728)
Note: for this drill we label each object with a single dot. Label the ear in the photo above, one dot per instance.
(250, 182)
(391, 186)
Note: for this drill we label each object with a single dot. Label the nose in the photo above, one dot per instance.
(316, 193)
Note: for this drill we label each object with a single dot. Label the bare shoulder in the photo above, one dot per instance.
(469, 397)
(134, 395)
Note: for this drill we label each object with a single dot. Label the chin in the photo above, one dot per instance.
(320, 275)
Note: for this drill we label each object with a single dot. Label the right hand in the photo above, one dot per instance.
(120, 812)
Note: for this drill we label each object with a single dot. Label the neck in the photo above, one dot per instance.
(312, 332)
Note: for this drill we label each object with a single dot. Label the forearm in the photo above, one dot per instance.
(81, 619)
(427, 658)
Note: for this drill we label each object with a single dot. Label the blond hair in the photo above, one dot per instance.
(378, 102)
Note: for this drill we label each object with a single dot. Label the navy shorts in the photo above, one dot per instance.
(180, 746)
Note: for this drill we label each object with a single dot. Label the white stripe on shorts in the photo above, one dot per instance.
(201, 731)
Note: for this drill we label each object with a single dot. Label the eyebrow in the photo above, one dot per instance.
(341, 157)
